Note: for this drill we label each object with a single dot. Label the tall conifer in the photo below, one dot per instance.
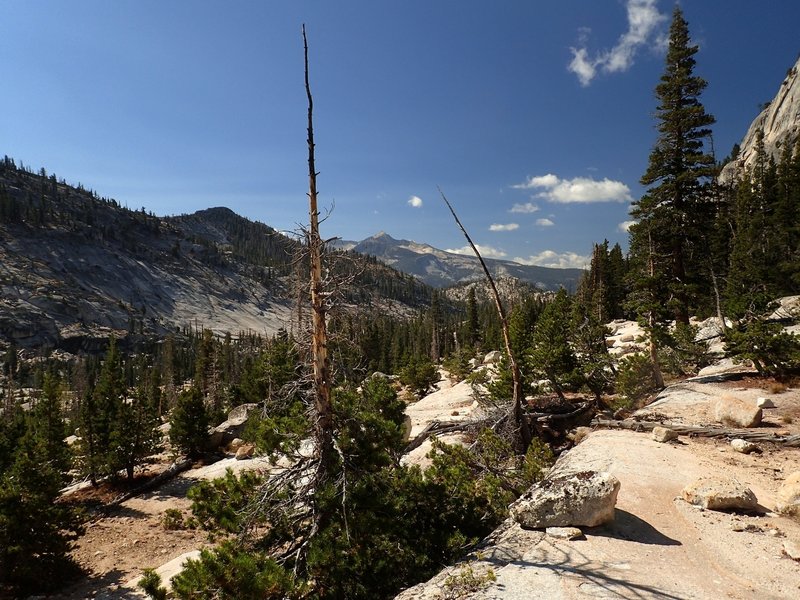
(674, 212)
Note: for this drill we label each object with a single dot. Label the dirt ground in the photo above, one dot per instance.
(120, 542)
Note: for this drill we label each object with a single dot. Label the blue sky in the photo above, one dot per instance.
(534, 117)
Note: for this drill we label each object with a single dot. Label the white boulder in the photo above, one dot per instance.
(583, 499)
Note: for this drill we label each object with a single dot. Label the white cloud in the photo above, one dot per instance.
(625, 226)
(563, 260)
(503, 227)
(579, 189)
(486, 251)
(582, 66)
(415, 201)
(644, 21)
(528, 207)
(544, 223)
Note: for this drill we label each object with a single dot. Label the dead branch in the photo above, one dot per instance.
(517, 394)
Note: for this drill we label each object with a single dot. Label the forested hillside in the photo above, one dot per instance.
(76, 267)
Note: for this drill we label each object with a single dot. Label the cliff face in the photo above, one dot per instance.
(780, 121)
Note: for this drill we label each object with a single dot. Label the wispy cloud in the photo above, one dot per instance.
(503, 226)
(559, 260)
(415, 202)
(544, 222)
(526, 208)
(486, 251)
(625, 226)
(577, 190)
(644, 21)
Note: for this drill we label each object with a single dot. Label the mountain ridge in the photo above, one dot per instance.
(440, 268)
(76, 268)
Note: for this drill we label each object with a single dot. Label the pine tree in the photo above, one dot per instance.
(35, 531)
(471, 326)
(48, 428)
(189, 420)
(751, 281)
(551, 355)
(99, 413)
(675, 210)
(133, 434)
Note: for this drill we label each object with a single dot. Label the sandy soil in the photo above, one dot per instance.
(122, 541)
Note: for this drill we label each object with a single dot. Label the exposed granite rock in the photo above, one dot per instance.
(585, 498)
(664, 434)
(743, 446)
(564, 533)
(227, 431)
(718, 493)
(787, 499)
(737, 413)
(780, 121)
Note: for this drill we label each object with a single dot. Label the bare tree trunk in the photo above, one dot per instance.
(319, 336)
(720, 316)
(516, 375)
(658, 378)
(323, 409)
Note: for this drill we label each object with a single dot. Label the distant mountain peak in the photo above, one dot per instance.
(440, 268)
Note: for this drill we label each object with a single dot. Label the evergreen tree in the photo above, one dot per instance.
(48, 429)
(35, 531)
(133, 434)
(189, 431)
(675, 210)
(100, 411)
(588, 338)
(550, 355)
(471, 326)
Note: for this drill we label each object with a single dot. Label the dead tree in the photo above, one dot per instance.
(516, 376)
(323, 408)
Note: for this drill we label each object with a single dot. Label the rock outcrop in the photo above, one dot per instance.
(226, 432)
(780, 122)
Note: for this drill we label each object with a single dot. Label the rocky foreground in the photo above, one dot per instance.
(660, 544)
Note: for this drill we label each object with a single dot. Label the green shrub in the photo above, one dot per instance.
(420, 376)
(218, 503)
(232, 572)
(467, 581)
(457, 364)
(635, 380)
(772, 350)
(151, 585)
(173, 519)
(682, 355)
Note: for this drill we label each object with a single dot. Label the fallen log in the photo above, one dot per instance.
(438, 427)
(173, 470)
(553, 427)
(792, 441)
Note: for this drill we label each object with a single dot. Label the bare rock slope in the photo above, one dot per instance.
(659, 545)
(780, 122)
